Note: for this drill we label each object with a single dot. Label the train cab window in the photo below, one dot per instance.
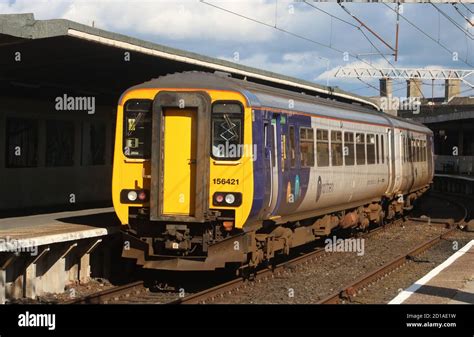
(370, 149)
(382, 147)
(226, 123)
(21, 142)
(322, 147)
(336, 148)
(292, 146)
(307, 147)
(360, 148)
(137, 128)
(349, 153)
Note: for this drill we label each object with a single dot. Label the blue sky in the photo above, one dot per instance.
(195, 26)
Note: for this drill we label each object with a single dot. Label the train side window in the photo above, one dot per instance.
(21, 142)
(410, 148)
(292, 146)
(268, 135)
(382, 147)
(417, 152)
(322, 147)
(307, 147)
(336, 148)
(377, 153)
(402, 145)
(370, 149)
(424, 150)
(407, 153)
(283, 152)
(360, 148)
(349, 153)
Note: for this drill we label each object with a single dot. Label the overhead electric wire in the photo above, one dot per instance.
(468, 34)
(288, 32)
(464, 17)
(466, 7)
(427, 35)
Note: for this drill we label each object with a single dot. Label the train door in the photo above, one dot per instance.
(397, 159)
(271, 163)
(179, 156)
(390, 161)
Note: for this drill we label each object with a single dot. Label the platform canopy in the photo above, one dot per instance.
(62, 55)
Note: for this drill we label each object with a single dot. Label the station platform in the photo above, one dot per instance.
(452, 282)
(45, 253)
(455, 176)
(58, 227)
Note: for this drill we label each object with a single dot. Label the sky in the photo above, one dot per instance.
(290, 37)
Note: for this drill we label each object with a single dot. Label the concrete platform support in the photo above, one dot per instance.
(53, 267)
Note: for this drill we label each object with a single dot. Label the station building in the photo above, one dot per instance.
(56, 145)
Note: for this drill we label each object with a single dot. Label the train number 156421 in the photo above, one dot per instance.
(223, 181)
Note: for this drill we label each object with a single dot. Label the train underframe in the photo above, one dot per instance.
(208, 246)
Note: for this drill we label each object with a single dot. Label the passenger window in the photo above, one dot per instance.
(377, 149)
(383, 148)
(403, 148)
(417, 149)
(336, 148)
(283, 152)
(360, 148)
(292, 146)
(322, 147)
(307, 147)
(370, 149)
(349, 152)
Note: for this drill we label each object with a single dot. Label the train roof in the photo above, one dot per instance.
(259, 95)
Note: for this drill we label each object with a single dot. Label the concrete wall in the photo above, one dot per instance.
(44, 186)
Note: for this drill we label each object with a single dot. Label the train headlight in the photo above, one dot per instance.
(219, 198)
(230, 198)
(132, 196)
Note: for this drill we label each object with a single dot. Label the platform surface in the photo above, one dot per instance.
(455, 176)
(452, 282)
(58, 227)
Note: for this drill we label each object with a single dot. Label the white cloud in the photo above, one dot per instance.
(292, 64)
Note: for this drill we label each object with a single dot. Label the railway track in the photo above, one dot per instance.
(136, 292)
(348, 292)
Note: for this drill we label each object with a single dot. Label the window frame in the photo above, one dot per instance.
(242, 113)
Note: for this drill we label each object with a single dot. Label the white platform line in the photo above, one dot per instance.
(400, 298)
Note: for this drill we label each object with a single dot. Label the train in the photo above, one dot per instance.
(212, 171)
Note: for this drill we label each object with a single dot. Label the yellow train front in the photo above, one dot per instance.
(182, 173)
